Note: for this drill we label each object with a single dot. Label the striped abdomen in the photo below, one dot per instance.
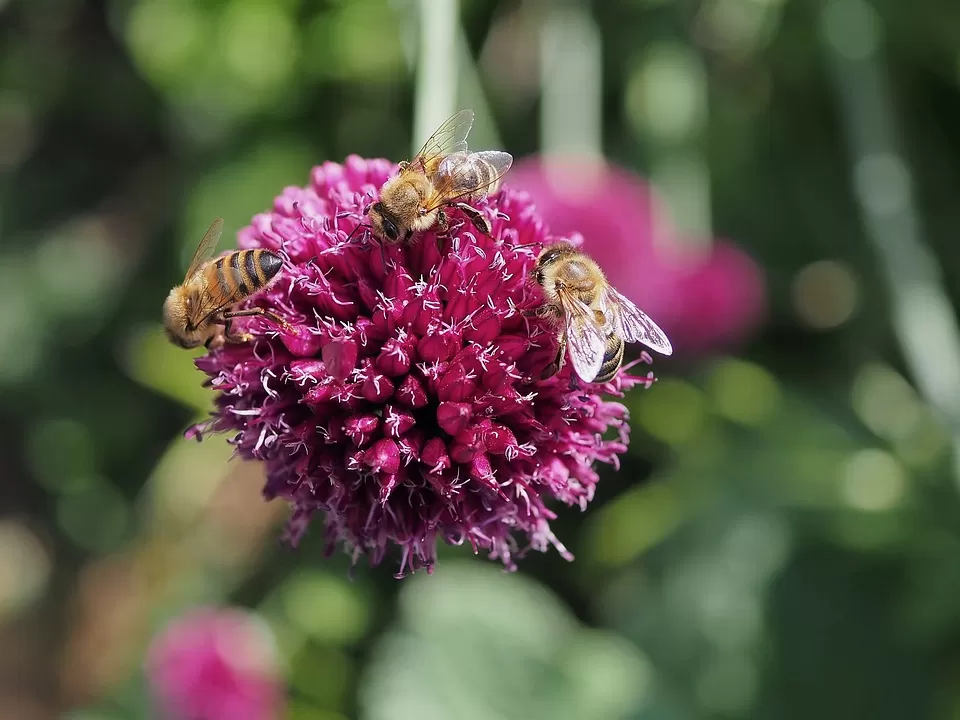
(612, 358)
(473, 176)
(239, 274)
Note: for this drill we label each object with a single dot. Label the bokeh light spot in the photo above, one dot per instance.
(633, 523)
(96, 517)
(165, 37)
(883, 182)
(885, 402)
(873, 480)
(825, 294)
(59, 451)
(852, 27)
(338, 43)
(77, 269)
(926, 442)
(664, 94)
(743, 392)
(672, 411)
(25, 566)
(325, 607)
(728, 684)
(259, 42)
(322, 674)
(730, 614)
(613, 677)
(738, 27)
(22, 327)
(185, 478)
(759, 544)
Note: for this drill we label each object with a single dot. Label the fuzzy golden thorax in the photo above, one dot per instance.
(400, 211)
(562, 267)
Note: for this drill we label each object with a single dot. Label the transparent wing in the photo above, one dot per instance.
(585, 340)
(449, 138)
(206, 247)
(464, 174)
(634, 324)
(210, 304)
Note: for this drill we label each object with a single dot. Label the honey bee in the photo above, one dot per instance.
(595, 319)
(194, 310)
(444, 173)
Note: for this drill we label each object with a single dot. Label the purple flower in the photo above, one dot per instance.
(404, 403)
(216, 664)
(702, 302)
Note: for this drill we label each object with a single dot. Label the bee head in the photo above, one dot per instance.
(178, 322)
(383, 224)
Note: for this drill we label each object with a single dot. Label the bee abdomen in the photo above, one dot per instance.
(260, 266)
(249, 270)
(487, 176)
(612, 358)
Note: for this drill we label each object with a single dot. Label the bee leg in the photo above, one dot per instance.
(227, 336)
(476, 217)
(403, 164)
(557, 364)
(253, 312)
(546, 310)
(215, 342)
(443, 224)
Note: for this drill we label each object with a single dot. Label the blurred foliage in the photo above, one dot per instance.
(783, 539)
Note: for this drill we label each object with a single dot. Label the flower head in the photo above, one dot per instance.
(702, 301)
(404, 403)
(214, 664)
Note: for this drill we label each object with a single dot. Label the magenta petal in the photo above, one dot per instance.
(384, 456)
(412, 393)
(340, 357)
(453, 416)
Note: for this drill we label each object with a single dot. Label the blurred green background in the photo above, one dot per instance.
(783, 540)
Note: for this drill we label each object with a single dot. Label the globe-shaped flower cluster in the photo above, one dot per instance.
(404, 403)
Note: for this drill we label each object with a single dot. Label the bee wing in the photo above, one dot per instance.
(464, 174)
(585, 339)
(634, 324)
(220, 294)
(206, 247)
(449, 138)
(210, 303)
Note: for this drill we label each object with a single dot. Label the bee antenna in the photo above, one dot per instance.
(354, 231)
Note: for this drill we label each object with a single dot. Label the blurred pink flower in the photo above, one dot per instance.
(216, 664)
(702, 302)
